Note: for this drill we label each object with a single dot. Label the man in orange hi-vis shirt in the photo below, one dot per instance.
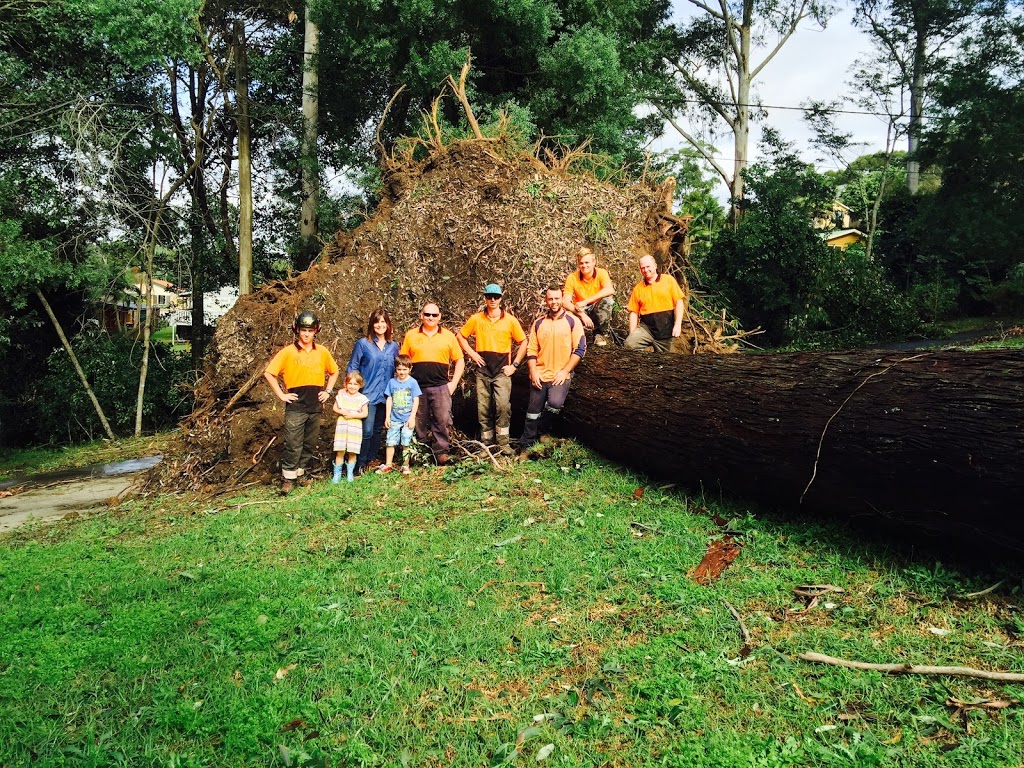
(555, 347)
(437, 366)
(656, 308)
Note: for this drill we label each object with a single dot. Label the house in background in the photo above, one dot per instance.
(127, 311)
(215, 305)
(838, 228)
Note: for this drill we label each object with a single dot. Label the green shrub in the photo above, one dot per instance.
(60, 410)
(851, 301)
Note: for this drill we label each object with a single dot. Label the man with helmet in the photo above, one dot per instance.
(303, 366)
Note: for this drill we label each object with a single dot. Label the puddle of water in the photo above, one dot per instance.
(93, 470)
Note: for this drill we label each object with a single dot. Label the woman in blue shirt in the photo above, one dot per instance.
(374, 358)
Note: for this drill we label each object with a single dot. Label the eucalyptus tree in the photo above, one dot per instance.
(717, 55)
(916, 40)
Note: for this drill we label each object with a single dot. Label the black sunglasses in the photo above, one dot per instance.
(431, 314)
(492, 296)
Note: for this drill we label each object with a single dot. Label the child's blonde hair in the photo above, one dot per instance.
(354, 376)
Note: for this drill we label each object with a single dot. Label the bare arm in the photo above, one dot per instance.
(508, 370)
(460, 368)
(471, 353)
(677, 327)
(634, 321)
(280, 394)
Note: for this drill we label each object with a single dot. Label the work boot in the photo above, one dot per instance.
(305, 481)
(286, 487)
(600, 340)
(506, 450)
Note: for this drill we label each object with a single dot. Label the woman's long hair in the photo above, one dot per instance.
(378, 314)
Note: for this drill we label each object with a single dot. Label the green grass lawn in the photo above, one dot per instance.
(473, 617)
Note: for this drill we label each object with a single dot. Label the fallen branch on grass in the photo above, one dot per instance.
(743, 627)
(912, 669)
(982, 593)
(484, 449)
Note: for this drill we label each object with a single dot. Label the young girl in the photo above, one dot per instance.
(351, 405)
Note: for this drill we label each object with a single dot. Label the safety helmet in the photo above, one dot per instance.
(306, 319)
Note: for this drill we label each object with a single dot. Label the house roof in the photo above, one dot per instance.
(835, 234)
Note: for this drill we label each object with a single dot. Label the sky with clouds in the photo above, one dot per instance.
(814, 64)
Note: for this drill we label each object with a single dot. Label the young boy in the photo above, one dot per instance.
(400, 412)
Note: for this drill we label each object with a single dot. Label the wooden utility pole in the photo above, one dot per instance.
(244, 162)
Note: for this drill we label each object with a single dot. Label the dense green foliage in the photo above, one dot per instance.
(777, 272)
(472, 617)
(55, 407)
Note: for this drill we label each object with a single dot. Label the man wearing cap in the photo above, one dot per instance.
(494, 330)
(303, 366)
(433, 350)
(656, 307)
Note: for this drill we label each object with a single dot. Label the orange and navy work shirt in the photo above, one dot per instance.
(578, 288)
(494, 338)
(553, 341)
(305, 372)
(432, 355)
(656, 304)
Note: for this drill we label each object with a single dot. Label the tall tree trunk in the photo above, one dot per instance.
(244, 164)
(198, 247)
(77, 366)
(741, 132)
(310, 167)
(928, 440)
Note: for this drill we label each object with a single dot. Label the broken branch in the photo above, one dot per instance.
(912, 669)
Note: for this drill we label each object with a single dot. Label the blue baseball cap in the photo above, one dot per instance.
(492, 289)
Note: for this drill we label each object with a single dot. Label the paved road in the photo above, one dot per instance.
(53, 502)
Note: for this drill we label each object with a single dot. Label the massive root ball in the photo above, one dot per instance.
(473, 212)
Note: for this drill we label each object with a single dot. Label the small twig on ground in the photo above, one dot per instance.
(483, 450)
(912, 669)
(644, 527)
(815, 590)
(249, 504)
(982, 593)
(743, 627)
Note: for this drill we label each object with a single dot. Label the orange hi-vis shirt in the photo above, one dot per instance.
(553, 341)
(432, 355)
(494, 338)
(579, 288)
(304, 371)
(656, 304)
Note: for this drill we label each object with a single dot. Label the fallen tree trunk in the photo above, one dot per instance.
(932, 440)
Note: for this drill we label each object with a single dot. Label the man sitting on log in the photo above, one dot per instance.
(656, 307)
(303, 366)
(588, 293)
(494, 330)
(432, 350)
(555, 348)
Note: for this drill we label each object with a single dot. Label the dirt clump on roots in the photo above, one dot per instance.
(471, 212)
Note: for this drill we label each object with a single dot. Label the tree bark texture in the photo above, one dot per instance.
(932, 440)
(244, 164)
(310, 169)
